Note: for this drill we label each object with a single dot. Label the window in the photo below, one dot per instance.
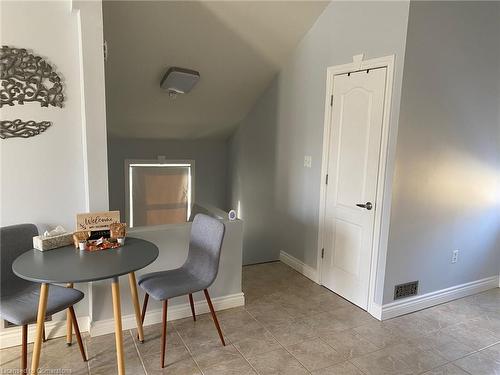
(159, 192)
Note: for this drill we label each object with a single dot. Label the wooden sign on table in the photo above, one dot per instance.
(97, 220)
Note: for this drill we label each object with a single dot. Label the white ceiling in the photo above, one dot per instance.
(237, 46)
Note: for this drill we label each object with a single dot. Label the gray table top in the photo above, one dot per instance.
(70, 265)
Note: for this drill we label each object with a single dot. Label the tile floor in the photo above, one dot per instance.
(292, 326)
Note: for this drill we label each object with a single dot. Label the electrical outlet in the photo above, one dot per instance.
(308, 161)
(454, 256)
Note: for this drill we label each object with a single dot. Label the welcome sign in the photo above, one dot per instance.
(96, 220)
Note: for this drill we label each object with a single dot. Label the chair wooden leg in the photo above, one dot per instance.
(77, 332)
(192, 306)
(37, 346)
(24, 354)
(144, 307)
(164, 333)
(214, 317)
(69, 327)
(44, 338)
(117, 314)
(137, 308)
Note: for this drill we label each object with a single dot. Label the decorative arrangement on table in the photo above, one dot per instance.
(95, 231)
(99, 231)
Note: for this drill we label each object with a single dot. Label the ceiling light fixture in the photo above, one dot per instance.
(179, 81)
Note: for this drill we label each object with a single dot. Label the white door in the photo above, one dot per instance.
(354, 152)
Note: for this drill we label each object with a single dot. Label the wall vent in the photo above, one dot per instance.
(406, 290)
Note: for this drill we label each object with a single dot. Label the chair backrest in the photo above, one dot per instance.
(207, 234)
(14, 240)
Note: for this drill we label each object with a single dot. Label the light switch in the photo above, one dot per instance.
(308, 161)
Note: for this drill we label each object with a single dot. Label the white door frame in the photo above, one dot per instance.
(379, 247)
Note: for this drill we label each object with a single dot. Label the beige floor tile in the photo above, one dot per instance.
(379, 334)
(349, 343)
(315, 354)
(345, 368)
(56, 355)
(219, 354)
(277, 362)
(325, 323)
(489, 300)
(444, 345)
(313, 323)
(493, 352)
(152, 340)
(352, 316)
(479, 364)
(10, 358)
(102, 347)
(382, 362)
(473, 334)
(291, 332)
(418, 360)
(237, 331)
(183, 367)
(257, 342)
(398, 360)
(234, 367)
(449, 369)
(173, 354)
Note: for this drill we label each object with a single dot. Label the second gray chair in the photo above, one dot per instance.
(196, 274)
(19, 298)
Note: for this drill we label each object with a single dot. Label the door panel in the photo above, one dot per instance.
(354, 151)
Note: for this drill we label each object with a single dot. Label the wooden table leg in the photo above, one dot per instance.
(135, 302)
(42, 306)
(115, 289)
(69, 326)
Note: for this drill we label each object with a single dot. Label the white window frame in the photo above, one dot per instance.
(157, 163)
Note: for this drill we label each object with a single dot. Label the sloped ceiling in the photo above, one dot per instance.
(237, 46)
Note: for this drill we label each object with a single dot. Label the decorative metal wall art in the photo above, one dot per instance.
(28, 78)
(22, 129)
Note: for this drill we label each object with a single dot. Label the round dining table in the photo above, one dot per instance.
(69, 265)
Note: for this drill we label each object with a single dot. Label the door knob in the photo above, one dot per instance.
(367, 205)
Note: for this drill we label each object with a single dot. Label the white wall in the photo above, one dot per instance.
(446, 184)
(43, 176)
(279, 198)
(49, 178)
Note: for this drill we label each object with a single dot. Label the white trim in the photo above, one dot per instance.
(103, 327)
(56, 328)
(12, 336)
(384, 184)
(160, 162)
(409, 305)
(299, 266)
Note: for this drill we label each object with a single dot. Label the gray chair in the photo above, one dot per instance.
(196, 274)
(19, 298)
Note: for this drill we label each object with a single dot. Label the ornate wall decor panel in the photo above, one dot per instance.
(28, 78)
(22, 129)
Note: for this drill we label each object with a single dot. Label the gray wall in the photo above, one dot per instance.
(279, 198)
(446, 180)
(210, 158)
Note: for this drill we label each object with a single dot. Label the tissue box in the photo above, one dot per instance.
(43, 243)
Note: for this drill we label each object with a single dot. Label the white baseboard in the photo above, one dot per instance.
(103, 327)
(409, 305)
(299, 266)
(12, 336)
